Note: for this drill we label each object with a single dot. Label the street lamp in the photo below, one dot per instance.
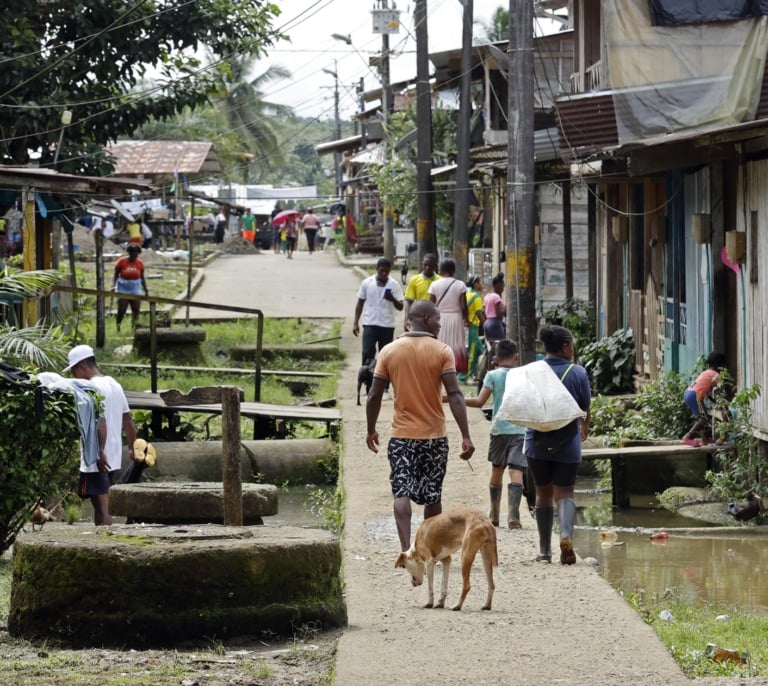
(66, 120)
(344, 39)
(337, 128)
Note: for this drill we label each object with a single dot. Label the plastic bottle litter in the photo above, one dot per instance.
(660, 536)
(608, 538)
(666, 615)
(722, 618)
(717, 654)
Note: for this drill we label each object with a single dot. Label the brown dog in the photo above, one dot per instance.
(442, 535)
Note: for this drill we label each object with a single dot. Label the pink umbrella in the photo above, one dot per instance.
(281, 217)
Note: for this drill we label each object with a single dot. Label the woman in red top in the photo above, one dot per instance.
(129, 278)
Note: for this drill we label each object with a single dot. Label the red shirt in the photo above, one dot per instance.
(130, 271)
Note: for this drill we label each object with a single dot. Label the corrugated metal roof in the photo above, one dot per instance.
(150, 158)
(48, 179)
(587, 124)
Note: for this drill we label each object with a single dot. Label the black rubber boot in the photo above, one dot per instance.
(493, 514)
(514, 497)
(566, 513)
(544, 517)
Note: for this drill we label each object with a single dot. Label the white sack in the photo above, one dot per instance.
(535, 397)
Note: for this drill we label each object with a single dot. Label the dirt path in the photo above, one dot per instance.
(550, 624)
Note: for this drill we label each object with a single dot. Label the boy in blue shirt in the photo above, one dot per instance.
(506, 446)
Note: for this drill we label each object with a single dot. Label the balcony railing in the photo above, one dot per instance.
(589, 80)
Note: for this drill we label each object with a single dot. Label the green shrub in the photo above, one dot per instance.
(577, 316)
(661, 411)
(38, 452)
(658, 412)
(741, 466)
(610, 363)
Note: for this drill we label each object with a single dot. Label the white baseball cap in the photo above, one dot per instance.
(78, 354)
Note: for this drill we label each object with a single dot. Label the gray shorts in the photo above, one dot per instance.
(417, 468)
(506, 450)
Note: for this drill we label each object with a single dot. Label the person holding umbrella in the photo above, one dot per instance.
(288, 219)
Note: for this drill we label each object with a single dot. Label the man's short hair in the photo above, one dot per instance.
(383, 262)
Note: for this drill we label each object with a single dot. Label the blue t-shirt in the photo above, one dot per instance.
(577, 383)
(496, 380)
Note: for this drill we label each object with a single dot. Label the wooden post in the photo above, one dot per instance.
(230, 456)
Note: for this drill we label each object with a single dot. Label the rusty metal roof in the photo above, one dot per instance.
(49, 180)
(151, 158)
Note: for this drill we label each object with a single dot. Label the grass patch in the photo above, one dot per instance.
(692, 627)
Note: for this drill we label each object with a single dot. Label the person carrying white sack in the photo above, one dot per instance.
(554, 456)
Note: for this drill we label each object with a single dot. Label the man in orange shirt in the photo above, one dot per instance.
(418, 366)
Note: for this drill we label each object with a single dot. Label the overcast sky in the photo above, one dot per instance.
(310, 23)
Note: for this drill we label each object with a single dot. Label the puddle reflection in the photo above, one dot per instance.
(716, 568)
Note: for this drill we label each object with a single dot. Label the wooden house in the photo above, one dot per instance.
(666, 126)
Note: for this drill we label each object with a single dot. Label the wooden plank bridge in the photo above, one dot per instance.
(638, 466)
(264, 415)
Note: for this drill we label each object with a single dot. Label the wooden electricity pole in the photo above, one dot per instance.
(461, 195)
(425, 224)
(521, 246)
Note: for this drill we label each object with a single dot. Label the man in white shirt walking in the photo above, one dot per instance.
(378, 298)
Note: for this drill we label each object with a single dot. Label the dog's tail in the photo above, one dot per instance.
(491, 543)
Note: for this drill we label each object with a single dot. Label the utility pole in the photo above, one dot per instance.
(337, 125)
(386, 21)
(425, 225)
(359, 128)
(521, 247)
(386, 106)
(461, 195)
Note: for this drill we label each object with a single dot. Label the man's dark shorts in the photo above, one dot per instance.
(547, 472)
(417, 468)
(93, 484)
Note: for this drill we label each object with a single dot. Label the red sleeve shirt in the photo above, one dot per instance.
(130, 271)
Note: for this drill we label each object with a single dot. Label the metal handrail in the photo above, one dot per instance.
(175, 302)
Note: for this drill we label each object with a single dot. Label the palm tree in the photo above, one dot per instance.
(250, 117)
(39, 345)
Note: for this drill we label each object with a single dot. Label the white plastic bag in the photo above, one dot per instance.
(535, 397)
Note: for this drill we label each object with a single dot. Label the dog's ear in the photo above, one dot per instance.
(400, 561)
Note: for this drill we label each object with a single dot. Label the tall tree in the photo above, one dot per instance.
(254, 120)
(497, 29)
(89, 57)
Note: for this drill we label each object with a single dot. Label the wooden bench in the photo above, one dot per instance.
(265, 415)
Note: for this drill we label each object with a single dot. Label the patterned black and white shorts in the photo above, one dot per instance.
(417, 468)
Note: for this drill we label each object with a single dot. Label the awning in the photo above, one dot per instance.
(375, 154)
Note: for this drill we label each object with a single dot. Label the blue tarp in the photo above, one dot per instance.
(672, 12)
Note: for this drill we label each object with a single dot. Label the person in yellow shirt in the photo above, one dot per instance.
(418, 286)
(476, 315)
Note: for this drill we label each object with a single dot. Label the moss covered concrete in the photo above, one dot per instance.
(156, 586)
(188, 503)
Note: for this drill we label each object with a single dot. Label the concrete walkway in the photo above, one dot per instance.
(549, 625)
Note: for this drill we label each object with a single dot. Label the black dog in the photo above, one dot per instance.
(365, 376)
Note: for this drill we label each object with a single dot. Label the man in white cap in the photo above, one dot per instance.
(95, 479)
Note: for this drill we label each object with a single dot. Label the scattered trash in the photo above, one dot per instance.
(666, 615)
(722, 618)
(726, 654)
(660, 536)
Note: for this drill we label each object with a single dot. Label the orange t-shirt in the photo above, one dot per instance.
(705, 382)
(415, 364)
